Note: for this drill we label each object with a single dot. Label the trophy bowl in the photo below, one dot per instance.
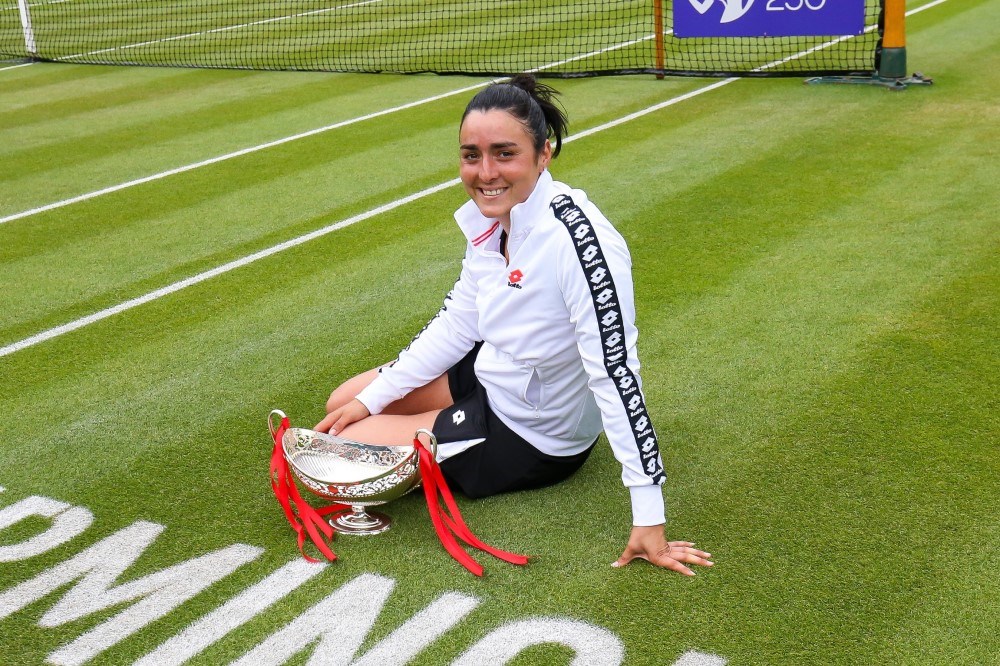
(352, 473)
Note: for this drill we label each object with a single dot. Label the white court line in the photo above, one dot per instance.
(225, 268)
(598, 52)
(192, 34)
(14, 8)
(917, 10)
(224, 29)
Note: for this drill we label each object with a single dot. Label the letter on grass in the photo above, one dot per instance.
(98, 567)
(402, 645)
(342, 620)
(68, 522)
(693, 658)
(234, 613)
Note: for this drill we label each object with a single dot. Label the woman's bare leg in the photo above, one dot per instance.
(347, 391)
(432, 397)
(389, 429)
(399, 421)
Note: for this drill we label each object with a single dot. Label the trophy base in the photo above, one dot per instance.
(359, 521)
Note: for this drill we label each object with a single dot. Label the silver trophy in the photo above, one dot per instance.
(359, 475)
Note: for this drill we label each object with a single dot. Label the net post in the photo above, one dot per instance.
(892, 64)
(29, 33)
(892, 58)
(658, 37)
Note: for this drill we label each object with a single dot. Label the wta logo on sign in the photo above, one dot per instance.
(768, 18)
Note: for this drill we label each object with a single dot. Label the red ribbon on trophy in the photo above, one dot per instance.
(312, 523)
(303, 518)
(449, 526)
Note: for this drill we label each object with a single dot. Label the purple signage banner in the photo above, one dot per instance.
(768, 18)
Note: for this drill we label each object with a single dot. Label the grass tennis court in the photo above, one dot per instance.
(817, 284)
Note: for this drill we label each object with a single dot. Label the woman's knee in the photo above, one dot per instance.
(347, 391)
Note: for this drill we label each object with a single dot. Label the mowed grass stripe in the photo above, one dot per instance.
(124, 110)
(851, 483)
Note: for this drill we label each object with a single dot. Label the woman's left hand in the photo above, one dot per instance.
(340, 418)
(650, 544)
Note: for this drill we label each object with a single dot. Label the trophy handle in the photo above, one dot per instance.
(270, 421)
(431, 437)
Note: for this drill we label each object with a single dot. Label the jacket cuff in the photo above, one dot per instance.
(377, 395)
(647, 506)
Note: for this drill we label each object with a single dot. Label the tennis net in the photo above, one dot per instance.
(483, 37)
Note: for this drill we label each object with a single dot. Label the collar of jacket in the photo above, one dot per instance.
(479, 230)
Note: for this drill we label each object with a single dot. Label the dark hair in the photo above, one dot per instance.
(531, 102)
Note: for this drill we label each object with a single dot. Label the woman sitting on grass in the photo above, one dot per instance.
(533, 353)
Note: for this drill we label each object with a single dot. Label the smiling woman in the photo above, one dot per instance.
(533, 354)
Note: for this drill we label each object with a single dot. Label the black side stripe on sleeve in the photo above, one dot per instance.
(609, 317)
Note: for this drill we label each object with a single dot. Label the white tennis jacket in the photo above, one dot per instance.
(558, 360)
